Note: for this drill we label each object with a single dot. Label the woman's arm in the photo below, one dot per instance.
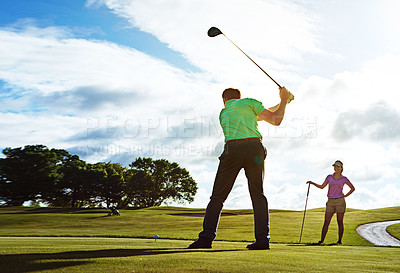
(317, 185)
(352, 189)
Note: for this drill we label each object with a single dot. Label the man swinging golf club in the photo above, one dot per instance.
(243, 149)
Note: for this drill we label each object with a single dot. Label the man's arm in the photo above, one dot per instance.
(273, 108)
(275, 117)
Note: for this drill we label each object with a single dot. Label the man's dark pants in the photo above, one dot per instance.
(250, 155)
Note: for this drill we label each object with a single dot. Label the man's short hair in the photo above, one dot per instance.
(231, 93)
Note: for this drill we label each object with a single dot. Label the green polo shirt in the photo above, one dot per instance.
(239, 118)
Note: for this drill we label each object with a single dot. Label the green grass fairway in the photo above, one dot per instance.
(175, 223)
(394, 230)
(45, 254)
(87, 240)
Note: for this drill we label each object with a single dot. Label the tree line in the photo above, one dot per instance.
(54, 177)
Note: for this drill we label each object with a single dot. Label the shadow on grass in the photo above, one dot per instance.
(31, 262)
(42, 210)
(313, 244)
(102, 216)
(201, 214)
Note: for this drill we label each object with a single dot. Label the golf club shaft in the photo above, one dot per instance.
(253, 61)
(304, 216)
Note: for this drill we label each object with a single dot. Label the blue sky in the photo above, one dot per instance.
(112, 80)
(88, 22)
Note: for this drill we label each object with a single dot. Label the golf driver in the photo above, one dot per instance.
(304, 216)
(213, 31)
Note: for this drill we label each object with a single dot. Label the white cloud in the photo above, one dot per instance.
(256, 26)
(379, 122)
(50, 64)
(386, 196)
(20, 129)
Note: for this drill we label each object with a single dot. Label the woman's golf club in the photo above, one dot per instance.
(304, 216)
(213, 31)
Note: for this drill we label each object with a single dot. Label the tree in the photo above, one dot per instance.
(54, 177)
(90, 185)
(111, 189)
(78, 185)
(29, 173)
(153, 182)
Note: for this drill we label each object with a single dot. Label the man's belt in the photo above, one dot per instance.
(243, 139)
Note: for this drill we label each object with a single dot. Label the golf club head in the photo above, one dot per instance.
(213, 31)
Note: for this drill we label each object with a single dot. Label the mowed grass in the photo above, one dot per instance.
(176, 223)
(87, 240)
(49, 254)
(394, 230)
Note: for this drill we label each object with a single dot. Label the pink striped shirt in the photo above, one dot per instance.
(336, 186)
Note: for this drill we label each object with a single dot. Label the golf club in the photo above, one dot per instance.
(304, 216)
(213, 31)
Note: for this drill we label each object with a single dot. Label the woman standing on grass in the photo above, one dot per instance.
(336, 202)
